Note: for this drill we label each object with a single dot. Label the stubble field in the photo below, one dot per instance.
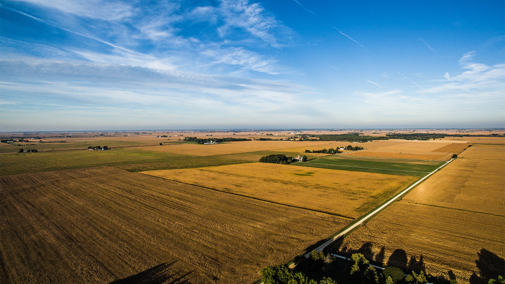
(455, 220)
(232, 147)
(346, 193)
(100, 225)
(436, 150)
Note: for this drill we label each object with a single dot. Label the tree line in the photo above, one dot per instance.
(217, 140)
(335, 151)
(351, 137)
(327, 269)
(276, 159)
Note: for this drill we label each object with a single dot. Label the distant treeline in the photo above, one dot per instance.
(217, 140)
(335, 151)
(276, 159)
(416, 136)
(352, 137)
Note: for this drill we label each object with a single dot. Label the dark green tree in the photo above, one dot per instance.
(499, 280)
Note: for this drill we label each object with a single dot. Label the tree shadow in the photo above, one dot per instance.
(381, 255)
(416, 265)
(159, 274)
(490, 266)
(399, 259)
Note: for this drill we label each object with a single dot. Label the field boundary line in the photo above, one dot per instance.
(255, 198)
(464, 210)
(365, 218)
(369, 168)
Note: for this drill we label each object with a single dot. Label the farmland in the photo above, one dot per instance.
(346, 193)
(454, 221)
(384, 166)
(128, 158)
(439, 150)
(211, 213)
(99, 225)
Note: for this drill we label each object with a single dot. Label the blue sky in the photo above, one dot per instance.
(101, 65)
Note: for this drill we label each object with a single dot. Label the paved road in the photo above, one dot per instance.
(371, 214)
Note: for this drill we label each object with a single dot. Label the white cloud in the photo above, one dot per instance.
(250, 17)
(373, 83)
(98, 9)
(446, 76)
(478, 77)
(241, 57)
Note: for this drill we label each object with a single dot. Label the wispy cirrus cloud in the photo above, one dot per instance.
(251, 17)
(477, 77)
(427, 45)
(373, 83)
(97, 9)
(303, 7)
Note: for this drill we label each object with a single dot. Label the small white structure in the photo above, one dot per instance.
(211, 142)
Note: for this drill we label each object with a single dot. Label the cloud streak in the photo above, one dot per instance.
(303, 7)
(427, 45)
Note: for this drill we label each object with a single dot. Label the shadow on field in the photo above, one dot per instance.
(159, 274)
(398, 258)
(490, 266)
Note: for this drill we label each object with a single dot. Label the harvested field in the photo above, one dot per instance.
(474, 182)
(455, 148)
(442, 239)
(405, 145)
(338, 192)
(99, 225)
(230, 147)
(454, 221)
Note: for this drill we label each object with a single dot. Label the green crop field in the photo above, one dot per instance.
(382, 166)
(70, 145)
(129, 159)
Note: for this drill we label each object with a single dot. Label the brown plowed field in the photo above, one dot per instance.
(340, 192)
(99, 225)
(455, 220)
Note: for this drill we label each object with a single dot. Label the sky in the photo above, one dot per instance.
(71, 65)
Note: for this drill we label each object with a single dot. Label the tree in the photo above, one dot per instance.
(358, 267)
(304, 159)
(454, 156)
(395, 273)
(21, 150)
(370, 276)
(500, 280)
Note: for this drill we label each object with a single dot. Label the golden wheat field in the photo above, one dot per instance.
(99, 225)
(444, 239)
(230, 148)
(409, 149)
(339, 192)
(454, 220)
(475, 182)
